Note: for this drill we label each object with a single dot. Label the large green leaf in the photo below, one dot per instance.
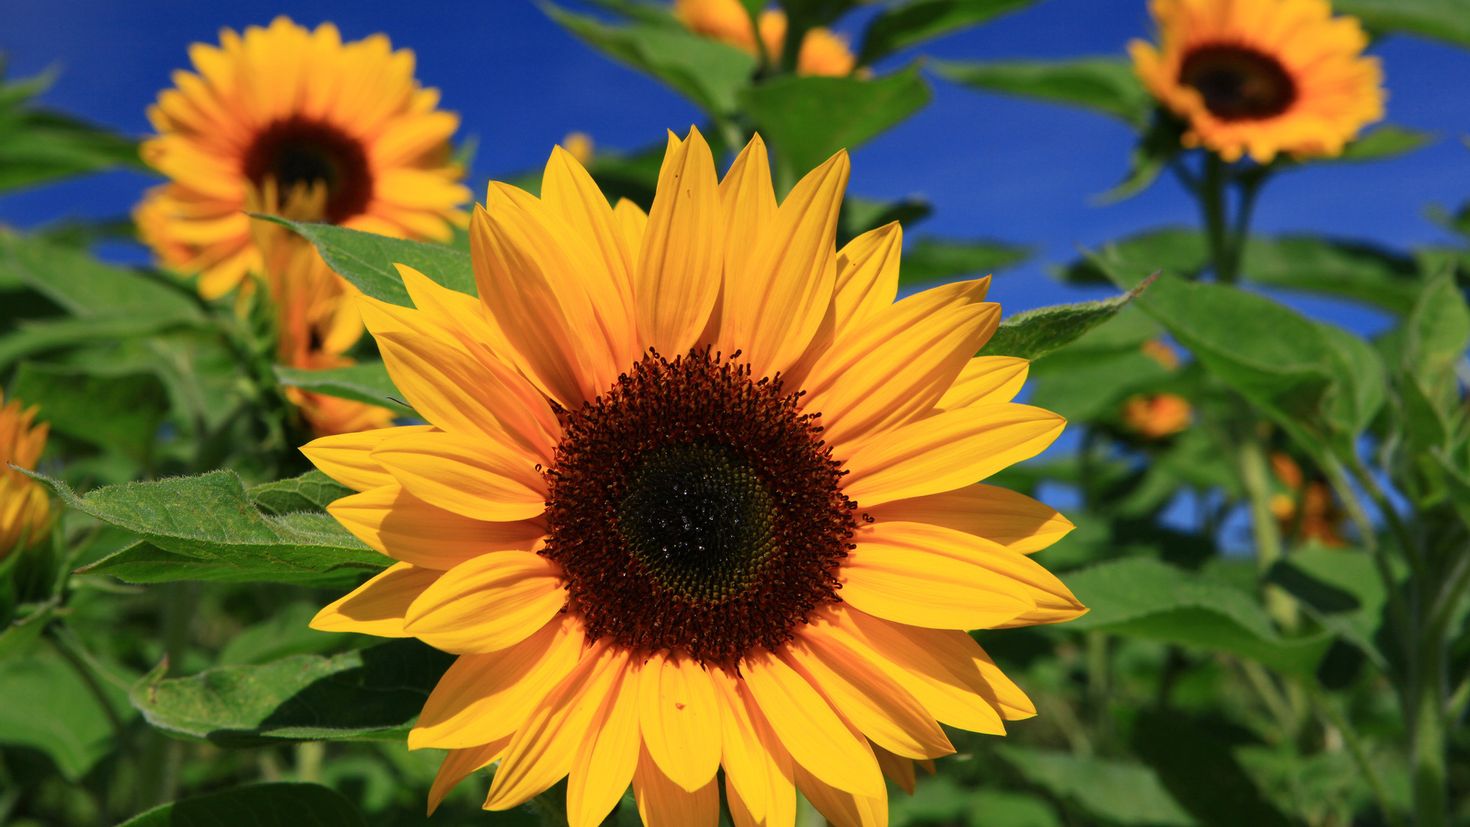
(708, 72)
(113, 412)
(1175, 251)
(1319, 383)
(367, 260)
(808, 119)
(1347, 269)
(1341, 589)
(312, 491)
(39, 146)
(911, 22)
(1114, 792)
(931, 260)
(1447, 20)
(1145, 598)
(211, 521)
(1103, 84)
(85, 287)
(1035, 333)
(278, 804)
(363, 382)
(1387, 141)
(369, 693)
(50, 708)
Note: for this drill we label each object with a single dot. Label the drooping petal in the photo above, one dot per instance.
(663, 803)
(679, 716)
(607, 758)
(406, 528)
(842, 808)
(459, 764)
(378, 606)
(488, 603)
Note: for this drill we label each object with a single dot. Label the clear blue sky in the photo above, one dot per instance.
(992, 166)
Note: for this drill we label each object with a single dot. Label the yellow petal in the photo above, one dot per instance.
(888, 715)
(898, 770)
(443, 383)
(947, 451)
(662, 803)
(775, 307)
(809, 728)
(543, 750)
(406, 528)
(347, 458)
(921, 588)
(987, 380)
(630, 221)
(491, 602)
(679, 263)
(867, 275)
(744, 758)
(998, 514)
(488, 696)
(377, 607)
(605, 762)
(748, 203)
(459, 764)
(994, 567)
(842, 808)
(680, 719)
(952, 690)
(475, 477)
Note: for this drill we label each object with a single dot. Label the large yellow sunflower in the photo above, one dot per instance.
(292, 107)
(822, 51)
(25, 512)
(1261, 76)
(694, 493)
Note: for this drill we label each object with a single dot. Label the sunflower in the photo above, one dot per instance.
(1261, 76)
(290, 107)
(822, 52)
(25, 513)
(1305, 509)
(1159, 415)
(694, 492)
(317, 322)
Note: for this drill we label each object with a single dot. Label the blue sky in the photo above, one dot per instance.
(993, 166)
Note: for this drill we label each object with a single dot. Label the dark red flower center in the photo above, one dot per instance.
(301, 152)
(1238, 83)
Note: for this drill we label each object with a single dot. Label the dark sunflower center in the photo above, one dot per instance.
(695, 509)
(1238, 83)
(297, 151)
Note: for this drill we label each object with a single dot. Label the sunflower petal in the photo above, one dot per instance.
(986, 380)
(605, 762)
(459, 764)
(479, 478)
(406, 528)
(840, 807)
(488, 603)
(680, 719)
(999, 515)
(663, 803)
(867, 275)
(347, 458)
(377, 607)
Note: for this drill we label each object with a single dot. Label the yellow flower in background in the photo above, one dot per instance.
(25, 511)
(317, 320)
(580, 145)
(1155, 416)
(292, 108)
(1306, 509)
(1162, 352)
(822, 52)
(1261, 77)
(694, 493)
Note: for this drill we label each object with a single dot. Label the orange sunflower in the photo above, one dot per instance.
(1261, 77)
(822, 51)
(25, 512)
(694, 493)
(291, 108)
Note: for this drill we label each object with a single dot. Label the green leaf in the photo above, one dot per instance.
(931, 260)
(1317, 382)
(210, 519)
(1184, 749)
(29, 338)
(808, 119)
(1341, 589)
(121, 413)
(1035, 333)
(1156, 148)
(1346, 269)
(372, 693)
(912, 22)
(1148, 599)
(48, 707)
(312, 491)
(363, 382)
(87, 288)
(708, 72)
(284, 633)
(1446, 20)
(39, 146)
(278, 804)
(1116, 792)
(1103, 84)
(860, 215)
(1387, 141)
(367, 260)
(1174, 251)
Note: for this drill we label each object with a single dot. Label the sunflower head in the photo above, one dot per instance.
(1156, 416)
(25, 511)
(1261, 77)
(822, 52)
(694, 492)
(284, 108)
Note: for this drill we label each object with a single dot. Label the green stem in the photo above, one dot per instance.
(1255, 476)
(1339, 722)
(1217, 229)
(1428, 694)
